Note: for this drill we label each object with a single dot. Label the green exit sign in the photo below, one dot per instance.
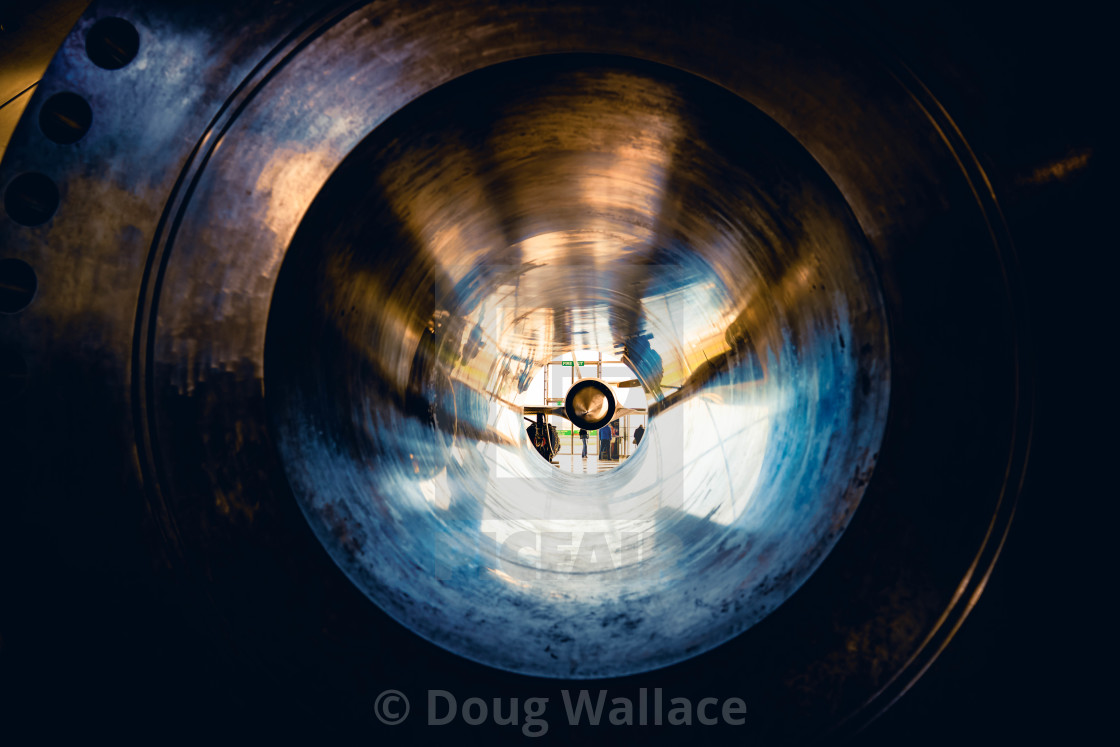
(569, 363)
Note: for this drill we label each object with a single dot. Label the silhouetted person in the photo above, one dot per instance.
(605, 442)
(583, 437)
(638, 433)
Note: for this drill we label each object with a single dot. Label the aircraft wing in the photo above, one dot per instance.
(537, 410)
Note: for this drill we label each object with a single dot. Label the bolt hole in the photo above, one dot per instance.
(112, 43)
(17, 285)
(31, 199)
(65, 118)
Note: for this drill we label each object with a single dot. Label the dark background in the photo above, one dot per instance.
(1026, 85)
(108, 649)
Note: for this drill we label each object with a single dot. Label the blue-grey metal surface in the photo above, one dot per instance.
(311, 251)
(631, 202)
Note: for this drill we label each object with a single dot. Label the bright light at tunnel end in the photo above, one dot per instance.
(749, 338)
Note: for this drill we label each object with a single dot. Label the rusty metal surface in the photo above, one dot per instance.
(302, 258)
(30, 34)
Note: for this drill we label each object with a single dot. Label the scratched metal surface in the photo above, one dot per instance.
(303, 258)
(641, 206)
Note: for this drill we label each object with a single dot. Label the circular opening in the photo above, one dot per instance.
(13, 374)
(17, 285)
(65, 118)
(551, 205)
(112, 43)
(31, 199)
(590, 404)
(582, 411)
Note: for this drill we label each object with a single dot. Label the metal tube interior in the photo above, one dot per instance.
(562, 203)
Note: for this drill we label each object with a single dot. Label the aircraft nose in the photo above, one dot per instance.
(589, 404)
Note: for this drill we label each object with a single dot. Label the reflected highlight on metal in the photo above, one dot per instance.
(590, 404)
(495, 224)
(293, 282)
